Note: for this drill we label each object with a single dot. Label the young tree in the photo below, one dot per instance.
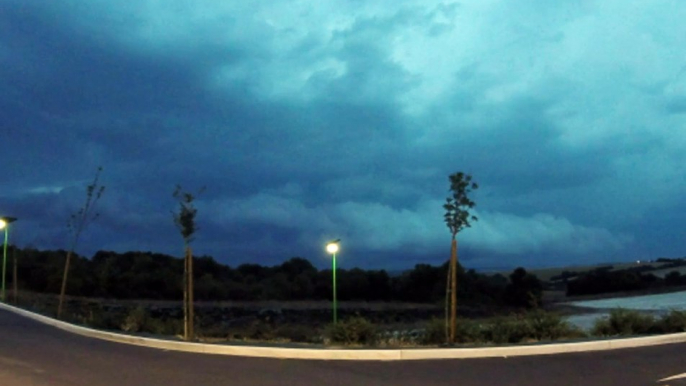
(77, 224)
(457, 217)
(185, 221)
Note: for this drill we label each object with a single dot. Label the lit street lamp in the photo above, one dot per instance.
(5, 224)
(332, 248)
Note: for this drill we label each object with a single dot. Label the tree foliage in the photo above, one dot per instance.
(524, 289)
(148, 275)
(605, 281)
(458, 204)
(185, 217)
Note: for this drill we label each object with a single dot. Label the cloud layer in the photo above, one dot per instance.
(309, 120)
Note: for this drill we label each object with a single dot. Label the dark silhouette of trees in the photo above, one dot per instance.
(154, 276)
(604, 280)
(524, 289)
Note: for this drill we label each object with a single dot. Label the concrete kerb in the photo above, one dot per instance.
(354, 354)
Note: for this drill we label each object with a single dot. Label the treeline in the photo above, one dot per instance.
(605, 280)
(146, 275)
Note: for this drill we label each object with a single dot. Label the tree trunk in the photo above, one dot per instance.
(64, 284)
(453, 290)
(14, 274)
(191, 334)
(447, 302)
(186, 329)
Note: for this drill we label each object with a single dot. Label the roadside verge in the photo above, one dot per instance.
(354, 354)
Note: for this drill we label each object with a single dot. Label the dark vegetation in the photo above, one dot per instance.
(632, 322)
(146, 275)
(113, 277)
(606, 280)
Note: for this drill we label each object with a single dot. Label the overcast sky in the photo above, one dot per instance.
(308, 120)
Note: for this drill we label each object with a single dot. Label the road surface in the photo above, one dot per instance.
(35, 354)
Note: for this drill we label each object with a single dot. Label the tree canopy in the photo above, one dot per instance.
(148, 275)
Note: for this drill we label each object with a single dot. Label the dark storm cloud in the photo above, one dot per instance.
(309, 121)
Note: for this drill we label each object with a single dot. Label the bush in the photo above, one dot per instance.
(260, 330)
(531, 326)
(355, 330)
(135, 320)
(625, 322)
(674, 321)
(101, 318)
(207, 330)
(513, 329)
(139, 320)
(298, 333)
(169, 326)
(550, 326)
(434, 333)
(467, 331)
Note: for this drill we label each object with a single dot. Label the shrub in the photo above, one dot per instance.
(625, 322)
(513, 329)
(100, 318)
(434, 332)
(355, 330)
(169, 326)
(468, 331)
(298, 333)
(135, 320)
(205, 329)
(674, 321)
(400, 336)
(550, 326)
(534, 325)
(139, 320)
(260, 330)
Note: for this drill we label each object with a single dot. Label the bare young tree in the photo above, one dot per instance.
(457, 217)
(77, 224)
(185, 221)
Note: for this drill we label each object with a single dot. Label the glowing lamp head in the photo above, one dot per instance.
(332, 248)
(5, 221)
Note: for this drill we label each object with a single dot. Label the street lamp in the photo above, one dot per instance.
(332, 248)
(5, 224)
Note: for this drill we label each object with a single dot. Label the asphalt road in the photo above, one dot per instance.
(35, 354)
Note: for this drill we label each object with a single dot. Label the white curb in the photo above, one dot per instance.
(361, 354)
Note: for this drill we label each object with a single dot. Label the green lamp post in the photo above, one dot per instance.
(5, 224)
(332, 248)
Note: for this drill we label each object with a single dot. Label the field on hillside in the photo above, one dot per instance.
(546, 274)
(663, 272)
(659, 302)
